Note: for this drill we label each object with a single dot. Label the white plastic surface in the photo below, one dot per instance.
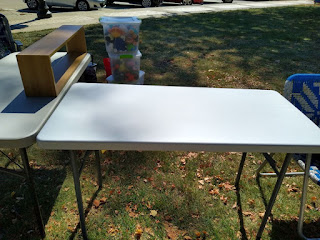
(140, 117)
(19, 130)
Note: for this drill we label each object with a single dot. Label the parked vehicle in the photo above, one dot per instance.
(185, 2)
(144, 3)
(190, 2)
(82, 5)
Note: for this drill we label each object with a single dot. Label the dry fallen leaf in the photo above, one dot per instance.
(235, 205)
(224, 199)
(138, 233)
(214, 191)
(198, 234)
(96, 203)
(149, 205)
(173, 232)
(133, 214)
(292, 189)
(153, 213)
(201, 182)
(227, 186)
(112, 230)
(247, 213)
(103, 200)
(309, 206)
(251, 202)
(149, 231)
(207, 179)
(70, 229)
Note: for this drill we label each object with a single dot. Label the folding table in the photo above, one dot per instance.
(21, 117)
(140, 117)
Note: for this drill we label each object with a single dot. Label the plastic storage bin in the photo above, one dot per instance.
(121, 34)
(140, 81)
(125, 67)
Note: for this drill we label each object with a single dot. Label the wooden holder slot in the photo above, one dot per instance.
(40, 77)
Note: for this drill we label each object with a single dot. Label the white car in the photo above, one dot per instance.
(82, 5)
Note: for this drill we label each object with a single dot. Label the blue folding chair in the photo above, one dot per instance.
(303, 91)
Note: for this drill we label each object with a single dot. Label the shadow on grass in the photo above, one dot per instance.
(263, 196)
(16, 208)
(260, 48)
(17, 219)
(256, 48)
(289, 229)
(240, 215)
(86, 212)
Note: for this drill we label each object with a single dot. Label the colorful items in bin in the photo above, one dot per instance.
(121, 34)
(125, 68)
(140, 81)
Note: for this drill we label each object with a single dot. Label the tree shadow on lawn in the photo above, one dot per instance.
(281, 228)
(261, 47)
(17, 218)
(256, 48)
(147, 181)
(245, 42)
(287, 228)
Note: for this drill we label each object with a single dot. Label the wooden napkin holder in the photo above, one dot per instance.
(40, 77)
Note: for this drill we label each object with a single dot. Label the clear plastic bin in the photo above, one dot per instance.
(125, 67)
(140, 81)
(121, 34)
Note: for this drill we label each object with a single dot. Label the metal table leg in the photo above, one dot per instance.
(243, 158)
(274, 194)
(76, 180)
(303, 197)
(29, 177)
(97, 154)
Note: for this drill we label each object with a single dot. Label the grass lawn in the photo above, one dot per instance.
(180, 195)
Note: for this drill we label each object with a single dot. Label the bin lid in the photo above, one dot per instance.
(114, 20)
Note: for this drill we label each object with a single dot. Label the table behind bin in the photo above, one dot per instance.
(133, 117)
(21, 117)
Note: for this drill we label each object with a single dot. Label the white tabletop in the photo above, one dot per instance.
(135, 117)
(21, 117)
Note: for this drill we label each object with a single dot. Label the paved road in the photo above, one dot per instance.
(23, 20)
